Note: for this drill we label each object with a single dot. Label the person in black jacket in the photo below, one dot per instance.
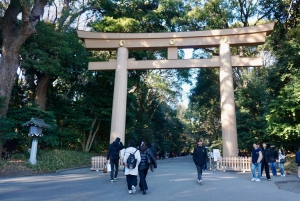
(147, 159)
(153, 149)
(113, 156)
(297, 157)
(273, 156)
(200, 158)
(265, 161)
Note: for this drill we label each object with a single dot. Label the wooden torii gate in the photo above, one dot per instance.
(222, 38)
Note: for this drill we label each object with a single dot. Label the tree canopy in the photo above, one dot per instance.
(47, 77)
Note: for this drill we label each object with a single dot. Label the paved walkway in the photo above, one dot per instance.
(175, 179)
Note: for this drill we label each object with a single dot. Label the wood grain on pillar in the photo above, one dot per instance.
(118, 118)
(228, 117)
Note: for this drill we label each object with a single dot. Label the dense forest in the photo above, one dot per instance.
(43, 74)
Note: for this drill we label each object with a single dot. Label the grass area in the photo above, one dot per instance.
(290, 165)
(53, 160)
(2, 163)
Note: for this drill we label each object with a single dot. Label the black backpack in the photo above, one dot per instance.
(131, 161)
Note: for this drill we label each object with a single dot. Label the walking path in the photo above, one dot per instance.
(175, 179)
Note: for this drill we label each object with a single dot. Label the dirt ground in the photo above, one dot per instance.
(15, 168)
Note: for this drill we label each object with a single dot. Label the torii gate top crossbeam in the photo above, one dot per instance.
(253, 35)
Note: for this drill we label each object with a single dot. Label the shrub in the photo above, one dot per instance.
(53, 160)
(2, 163)
(290, 164)
(21, 156)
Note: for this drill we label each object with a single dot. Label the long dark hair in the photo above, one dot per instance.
(143, 148)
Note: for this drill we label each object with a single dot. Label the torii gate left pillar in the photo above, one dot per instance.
(118, 118)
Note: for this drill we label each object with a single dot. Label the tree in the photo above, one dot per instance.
(14, 33)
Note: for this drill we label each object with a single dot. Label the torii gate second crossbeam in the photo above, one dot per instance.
(223, 38)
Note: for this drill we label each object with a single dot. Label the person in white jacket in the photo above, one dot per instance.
(131, 174)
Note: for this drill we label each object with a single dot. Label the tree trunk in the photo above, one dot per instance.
(9, 65)
(41, 91)
(92, 135)
(13, 36)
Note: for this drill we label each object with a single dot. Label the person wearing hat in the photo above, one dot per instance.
(113, 156)
(199, 158)
(273, 156)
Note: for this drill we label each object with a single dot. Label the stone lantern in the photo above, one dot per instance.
(35, 131)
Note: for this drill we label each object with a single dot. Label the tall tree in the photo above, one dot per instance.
(14, 33)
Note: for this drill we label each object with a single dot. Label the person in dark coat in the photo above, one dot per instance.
(153, 149)
(147, 159)
(200, 158)
(265, 161)
(298, 161)
(273, 158)
(113, 157)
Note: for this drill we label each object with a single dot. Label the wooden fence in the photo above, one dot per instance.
(242, 164)
(98, 163)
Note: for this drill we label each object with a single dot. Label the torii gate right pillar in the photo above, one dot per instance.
(228, 117)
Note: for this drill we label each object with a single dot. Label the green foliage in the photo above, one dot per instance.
(7, 128)
(266, 99)
(2, 163)
(252, 106)
(120, 25)
(204, 108)
(53, 160)
(24, 114)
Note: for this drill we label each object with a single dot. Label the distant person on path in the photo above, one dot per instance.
(113, 156)
(131, 174)
(256, 162)
(265, 161)
(153, 149)
(199, 158)
(147, 159)
(298, 161)
(273, 158)
(281, 161)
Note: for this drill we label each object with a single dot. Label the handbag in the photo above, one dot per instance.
(105, 169)
(108, 167)
(282, 160)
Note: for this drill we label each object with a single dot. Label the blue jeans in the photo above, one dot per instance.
(199, 171)
(253, 169)
(281, 166)
(273, 168)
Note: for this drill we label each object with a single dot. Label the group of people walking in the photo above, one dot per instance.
(137, 161)
(266, 158)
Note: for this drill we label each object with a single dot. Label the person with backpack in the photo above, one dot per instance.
(132, 159)
(147, 160)
(113, 156)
